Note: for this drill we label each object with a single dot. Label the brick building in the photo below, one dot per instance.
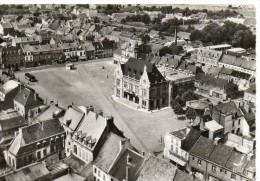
(142, 83)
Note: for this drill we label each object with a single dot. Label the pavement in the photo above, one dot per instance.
(88, 85)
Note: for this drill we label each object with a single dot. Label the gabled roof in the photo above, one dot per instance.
(236, 161)
(9, 86)
(49, 112)
(28, 97)
(135, 68)
(239, 62)
(108, 152)
(182, 176)
(154, 169)
(33, 133)
(93, 125)
(203, 147)
(220, 154)
(181, 133)
(118, 170)
(10, 120)
(190, 139)
(72, 118)
(217, 82)
(229, 108)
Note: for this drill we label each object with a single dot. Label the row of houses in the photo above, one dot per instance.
(219, 144)
(25, 55)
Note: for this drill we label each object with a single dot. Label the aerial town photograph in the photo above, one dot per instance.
(128, 92)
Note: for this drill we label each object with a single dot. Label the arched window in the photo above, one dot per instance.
(75, 149)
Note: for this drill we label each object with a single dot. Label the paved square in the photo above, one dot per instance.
(88, 85)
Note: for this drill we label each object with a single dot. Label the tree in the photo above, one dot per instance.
(191, 114)
(164, 51)
(123, 21)
(196, 35)
(188, 96)
(96, 20)
(178, 109)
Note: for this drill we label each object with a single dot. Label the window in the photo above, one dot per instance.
(104, 177)
(172, 147)
(239, 122)
(75, 150)
(176, 150)
(99, 173)
(44, 152)
(131, 87)
(213, 168)
(95, 170)
(117, 92)
(233, 123)
(199, 162)
(220, 170)
(136, 88)
(193, 158)
(38, 155)
(125, 84)
(144, 93)
(233, 176)
(118, 82)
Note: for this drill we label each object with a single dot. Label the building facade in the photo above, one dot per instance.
(141, 82)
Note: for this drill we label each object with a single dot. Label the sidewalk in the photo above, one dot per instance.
(134, 106)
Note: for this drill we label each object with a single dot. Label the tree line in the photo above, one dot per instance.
(237, 35)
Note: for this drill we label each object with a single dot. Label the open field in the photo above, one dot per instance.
(89, 84)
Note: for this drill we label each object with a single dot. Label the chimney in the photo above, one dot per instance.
(16, 133)
(175, 34)
(124, 144)
(69, 170)
(90, 108)
(110, 123)
(35, 96)
(41, 122)
(216, 140)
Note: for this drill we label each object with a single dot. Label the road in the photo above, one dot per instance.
(109, 108)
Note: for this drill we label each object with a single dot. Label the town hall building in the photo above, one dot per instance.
(140, 82)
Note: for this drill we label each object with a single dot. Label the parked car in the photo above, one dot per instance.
(30, 77)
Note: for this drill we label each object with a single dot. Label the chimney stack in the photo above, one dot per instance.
(110, 123)
(175, 34)
(35, 96)
(90, 108)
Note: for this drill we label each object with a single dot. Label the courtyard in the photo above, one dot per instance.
(93, 84)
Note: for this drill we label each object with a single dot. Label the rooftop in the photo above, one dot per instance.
(203, 147)
(118, 170)
(172, 74)
(108, 152)
(181, 133)
(220, 154)
(154, 169)
(213, 126)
